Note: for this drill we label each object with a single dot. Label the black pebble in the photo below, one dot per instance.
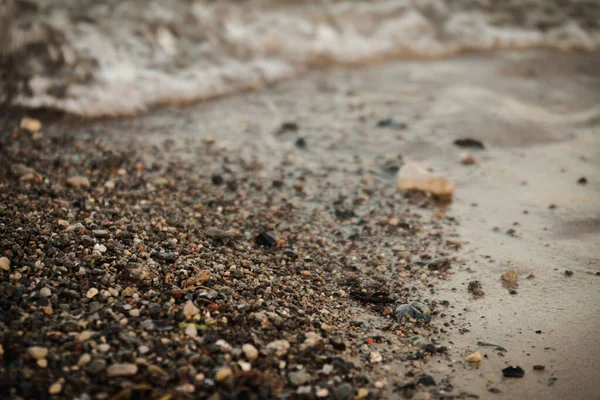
(582, 180)
(390, 123)
(217, 180)
(539, 367)
(429, 348)
(513, 372)
(426, 381)
(469, 143)
(301, 143)
(265, 239)
(568, 273)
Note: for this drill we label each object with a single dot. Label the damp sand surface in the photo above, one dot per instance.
(519, 206)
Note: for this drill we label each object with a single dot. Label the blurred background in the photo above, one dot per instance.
(111, 57)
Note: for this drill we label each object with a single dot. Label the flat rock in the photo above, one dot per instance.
(413, 176)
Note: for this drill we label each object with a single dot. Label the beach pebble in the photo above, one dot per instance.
(510, 275)
(55, 388)
(126, 369)
(299, 378)
(411, 311)
(96, 366)
(413, 176)
(375, 357)
(322, 393)
(84, 360)
(474, 358)
(100, 248)
(4, 264)
(467, 159)
(278, 347)
(191, 331)
(31, 124)
(189, 309)
(45, 292)
(78, 181)
(250, 351)
(37, 352)
(91, 293)
(223, 374)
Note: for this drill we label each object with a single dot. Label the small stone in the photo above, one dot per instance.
(91, 293)
(189, 310)
(426, 380)
(104, 347)
(55, 388)
(191, 330)
(568, 273)
(100, 248)
(45, 292)
(245, 366)
(4, 264)
(412, 312)
(223, 374)
(312, 339)
(513, 372)
(265, 239)
(63, 223)
(375, 357)
(474, 358)
(250, 351)
(78, 226)
(42, 363)
(413, 176)
(126, 369)
(299, 378)
(84, 360)
(278, 347)
(186, 388)
(37, 352)
(305, 392)
(127, 292)
(582, 181)
(134, 313)
(96, 366)
(362, 393)
(322, 393)
(85, 335)
(539, 367)
(467, 159)
(469, 143)
(31, 124)
(343, 391)
(478, 292)
(78, 182)
(510, 275)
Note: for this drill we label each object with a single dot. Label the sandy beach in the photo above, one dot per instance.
(275, 215)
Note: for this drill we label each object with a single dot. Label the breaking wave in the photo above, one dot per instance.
(96, 58)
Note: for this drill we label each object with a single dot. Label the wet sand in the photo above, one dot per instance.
(537, 114)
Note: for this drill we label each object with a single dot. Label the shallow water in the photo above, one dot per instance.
(96, 58)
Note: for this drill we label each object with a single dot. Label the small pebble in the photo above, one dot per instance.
(223, 374)
(122, 370)
(91, 293)
(37, 352)
(250, 351)
(45, 292)
(31, 124)
(510, 275)
(4, 264)
(474, 358)
(55, 388)
(78, 182)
